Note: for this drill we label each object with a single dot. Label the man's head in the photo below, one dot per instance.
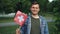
(35, 8)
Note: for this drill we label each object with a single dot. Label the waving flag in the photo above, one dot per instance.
(20, 18)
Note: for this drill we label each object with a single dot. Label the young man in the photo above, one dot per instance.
(34, 24)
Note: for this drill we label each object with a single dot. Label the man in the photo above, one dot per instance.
(35, 24)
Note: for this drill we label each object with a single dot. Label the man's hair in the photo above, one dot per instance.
(34, 2)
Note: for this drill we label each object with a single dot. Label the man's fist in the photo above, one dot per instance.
(17, 31)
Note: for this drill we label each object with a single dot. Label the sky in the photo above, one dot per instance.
(50, 0)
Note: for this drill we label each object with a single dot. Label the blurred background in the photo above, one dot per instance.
(50, 9)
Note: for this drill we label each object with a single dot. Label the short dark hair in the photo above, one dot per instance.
(35, 2)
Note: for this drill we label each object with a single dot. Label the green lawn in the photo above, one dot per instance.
(8, 30)
(6, 19)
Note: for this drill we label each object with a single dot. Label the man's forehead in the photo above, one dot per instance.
(35, 5)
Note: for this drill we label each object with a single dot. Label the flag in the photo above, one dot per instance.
(20, 18)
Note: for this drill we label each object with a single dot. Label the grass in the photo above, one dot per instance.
(6, 19)
(8, 29)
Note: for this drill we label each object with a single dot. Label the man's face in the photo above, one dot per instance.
(35, 8)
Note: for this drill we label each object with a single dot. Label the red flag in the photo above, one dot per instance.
(20, 18)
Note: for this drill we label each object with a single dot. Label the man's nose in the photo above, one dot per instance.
(34, 8)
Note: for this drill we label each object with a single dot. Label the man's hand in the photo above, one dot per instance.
(17, 31)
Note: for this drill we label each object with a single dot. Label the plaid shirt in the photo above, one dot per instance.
(27, 26)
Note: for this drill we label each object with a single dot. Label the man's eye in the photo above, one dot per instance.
(37, 8)
(32, 7)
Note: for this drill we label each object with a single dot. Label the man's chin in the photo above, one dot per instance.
(34, 13)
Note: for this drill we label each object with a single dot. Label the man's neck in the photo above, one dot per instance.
(35, 16)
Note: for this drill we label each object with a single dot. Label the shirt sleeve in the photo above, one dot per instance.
(46, 31)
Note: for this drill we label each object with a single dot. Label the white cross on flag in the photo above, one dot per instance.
(20, 18)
